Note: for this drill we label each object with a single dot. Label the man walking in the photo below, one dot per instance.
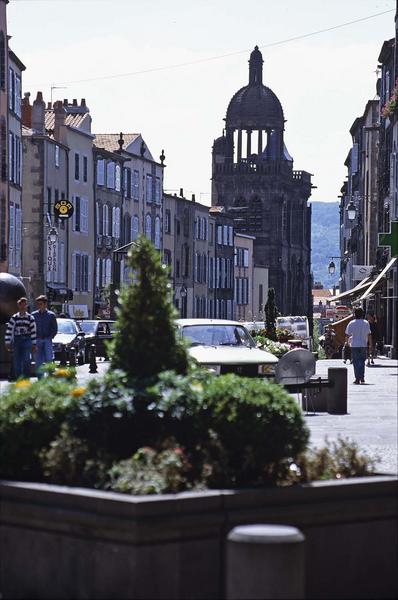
(47, 329)
(21, 338)
(359, 331)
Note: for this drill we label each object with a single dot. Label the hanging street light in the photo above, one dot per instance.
(351, 211)
(331, 268)
(52, 235)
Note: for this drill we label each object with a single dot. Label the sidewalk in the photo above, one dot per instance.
(372, 410)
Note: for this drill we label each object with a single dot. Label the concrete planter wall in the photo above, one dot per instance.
(59, 542)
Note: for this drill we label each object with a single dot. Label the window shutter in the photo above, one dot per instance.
(85, 215)
(89, 275)
(100, 171)
(113, 221)
(117, 178)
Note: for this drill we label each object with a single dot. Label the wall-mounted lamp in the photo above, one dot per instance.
(351, 211)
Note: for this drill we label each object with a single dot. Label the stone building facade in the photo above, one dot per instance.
(254, 179)
(3, 136)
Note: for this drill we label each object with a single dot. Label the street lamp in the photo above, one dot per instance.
(331, 268)
(52, 235)
(351, 211)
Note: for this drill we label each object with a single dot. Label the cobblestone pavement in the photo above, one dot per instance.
(372, 410)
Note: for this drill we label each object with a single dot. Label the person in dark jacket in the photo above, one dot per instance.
(46, 329)
(374, 330)
(21, 338)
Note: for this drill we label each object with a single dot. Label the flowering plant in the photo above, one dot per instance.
(391, 106)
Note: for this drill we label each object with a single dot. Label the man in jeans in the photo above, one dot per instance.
(21, 338)
(359, 331)
(47, 328)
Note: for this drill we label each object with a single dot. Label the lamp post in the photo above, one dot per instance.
(183, 295)
(351, 210)
(332, 266)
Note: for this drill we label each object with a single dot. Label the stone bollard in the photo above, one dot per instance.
(93, 364)
(337, 396)
(265, 561)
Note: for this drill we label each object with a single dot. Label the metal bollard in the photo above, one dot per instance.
(93, 364)
(62, 361)
(265, 561)
(72, 358)
(337, 397)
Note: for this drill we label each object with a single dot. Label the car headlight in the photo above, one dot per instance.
(216, 369)
(266, 369)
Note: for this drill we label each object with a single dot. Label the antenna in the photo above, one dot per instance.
(56, 87)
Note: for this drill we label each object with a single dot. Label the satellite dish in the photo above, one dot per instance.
(295, 367)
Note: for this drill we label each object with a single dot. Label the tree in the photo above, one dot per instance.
(271, 312)
(146, 342)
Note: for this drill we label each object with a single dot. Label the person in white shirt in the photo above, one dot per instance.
(359, 332)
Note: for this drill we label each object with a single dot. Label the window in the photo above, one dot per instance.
(116, 222)
(98, 280)
(11, 89)
(148, 227)
(76, 214)
(186, 262)
(167, 221)
(77, 166)
(158, 191)
(117, 178)
(11, 233)
(136, 185)
(108, 271)
(2, 61)
(105, 220)
(245, 257)
(56, 156)
(157, 233)
(127, 183)
(134, 228)
(110, 175)
(61, 264)
(3, 142)
(100, 171)
(17, 101)
(18, 232)
(84, 215)
(219, 234)
(177, 268)
(81, 272)
(11, 161)
(85, 168)
(230, 236)
(148, 189)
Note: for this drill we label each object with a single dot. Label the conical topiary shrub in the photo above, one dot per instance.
(271, 312)
(147, 342)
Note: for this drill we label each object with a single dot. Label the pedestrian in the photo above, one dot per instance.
(329, 343)
(359, 331)
(374, 330)
(21, 338)
(46, 330)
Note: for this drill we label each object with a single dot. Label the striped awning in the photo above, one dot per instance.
(355, 291)
(378, 278)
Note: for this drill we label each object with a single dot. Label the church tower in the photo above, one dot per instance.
(253, 178)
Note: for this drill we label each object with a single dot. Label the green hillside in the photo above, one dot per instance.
(325, 241)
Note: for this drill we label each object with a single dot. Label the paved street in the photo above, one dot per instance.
(372, 410)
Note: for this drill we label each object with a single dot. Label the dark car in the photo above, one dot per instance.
(70, 335)
(97, 332)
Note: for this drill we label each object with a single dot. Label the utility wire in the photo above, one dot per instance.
(220, 56)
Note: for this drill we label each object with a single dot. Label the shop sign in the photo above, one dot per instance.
(63, 209)
(52, 249)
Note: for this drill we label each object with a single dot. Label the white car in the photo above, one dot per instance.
(226, 347)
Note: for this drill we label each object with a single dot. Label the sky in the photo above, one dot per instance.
(181, 61)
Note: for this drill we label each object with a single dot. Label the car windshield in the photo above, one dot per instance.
(218, 335)
(88, 326)
(66, 326)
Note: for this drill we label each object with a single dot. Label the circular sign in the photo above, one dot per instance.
(63, 209)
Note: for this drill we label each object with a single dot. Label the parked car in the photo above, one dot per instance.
(72, 337)
(97, 332)
(226, 347)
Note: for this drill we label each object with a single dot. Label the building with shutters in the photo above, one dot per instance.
(254, 180)
(142, 194)
(70, 124)
(45, 181)
(15, 69)
(109, 192)
(3, 136)
(221, 269)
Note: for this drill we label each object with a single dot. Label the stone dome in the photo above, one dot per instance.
(255, 105)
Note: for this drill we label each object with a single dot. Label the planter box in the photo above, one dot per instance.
(59, 542)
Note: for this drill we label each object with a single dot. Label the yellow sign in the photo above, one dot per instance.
(63, 209)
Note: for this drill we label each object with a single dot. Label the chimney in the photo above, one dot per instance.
(182, 192)
(49, 106)
(38, 110)
(59, 120)
(26, 110)
(193, 197)
(66, 102)
(74, 101)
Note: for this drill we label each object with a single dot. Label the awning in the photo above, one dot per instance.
(355, 291)
(378, 278)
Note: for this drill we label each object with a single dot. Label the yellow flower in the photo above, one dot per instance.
(23, 383)
(79, 391)
(61, 373)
